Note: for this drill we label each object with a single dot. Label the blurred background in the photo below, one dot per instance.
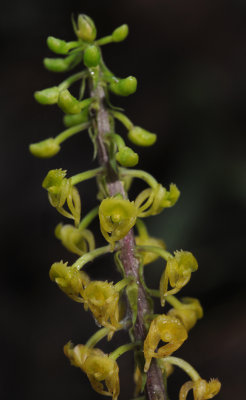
(189, 58)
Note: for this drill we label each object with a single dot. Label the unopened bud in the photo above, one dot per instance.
(120, 33)
(47, 96)
(45, 149)
(68, 103)
(86, 29)
(127, 157)
(62, 64)
(141, 137)
(124, 87)
(58, 46)
(92, 56)
(76, 119)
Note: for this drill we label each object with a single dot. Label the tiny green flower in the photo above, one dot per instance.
(177, 272)
(117, 216)
(168, 329)
(69, 279)
(61, 191)
(75, 240)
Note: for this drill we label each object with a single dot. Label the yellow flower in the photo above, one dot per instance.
(117, 216)
(202, 390)
(60, 190)
(177, 273)
(98, 366)
(168, 329)
(75, 240)
(149, 241)
(70, 280)
(102, 299)
(188, 313)
(152, 201)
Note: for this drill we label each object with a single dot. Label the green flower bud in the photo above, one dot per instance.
(85, 29)
(58, 46)
(127, 157)
(47, 96)
(91, 56)
(45, 149)
(76, 119)
(120, 33)
(68, 103)
(141, 137)
(124, 87)
(63, 64)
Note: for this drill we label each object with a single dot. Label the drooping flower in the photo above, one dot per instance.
(152, 201)
(188, 313)
(202, 390)
(75, 240)
(177, 273)
(61, 191)
(98, 366)
(168, 329)
(117, 216)
(69, 279)
(103, 300)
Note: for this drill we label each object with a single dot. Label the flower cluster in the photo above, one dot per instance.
(128, 303)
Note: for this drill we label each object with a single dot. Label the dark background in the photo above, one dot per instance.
(190, 60)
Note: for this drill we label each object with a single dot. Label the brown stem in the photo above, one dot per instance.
(155, 389)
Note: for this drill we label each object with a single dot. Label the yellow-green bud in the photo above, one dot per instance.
(76, 119)
(92, 56)
(120, 33)
(68, 103)
(124, 87)
(141, 137)
(45, 149)
(127, 157)
(58, 46)
(47, 96)
(86, 29)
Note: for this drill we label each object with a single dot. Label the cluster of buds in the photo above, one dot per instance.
(117, 217)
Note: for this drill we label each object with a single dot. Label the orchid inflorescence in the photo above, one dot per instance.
(117, 216)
